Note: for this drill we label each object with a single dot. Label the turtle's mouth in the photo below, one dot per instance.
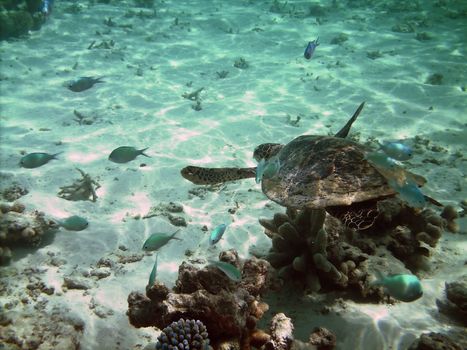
(188, 172)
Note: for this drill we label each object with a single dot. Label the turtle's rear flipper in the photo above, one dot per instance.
(345, 130)
(211, 176)
(359, 216)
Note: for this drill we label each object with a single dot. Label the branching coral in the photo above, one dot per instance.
(299, 248)
(82, 189)
(189, 334)
(308, 246)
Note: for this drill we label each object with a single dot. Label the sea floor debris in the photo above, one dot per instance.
(81, 190)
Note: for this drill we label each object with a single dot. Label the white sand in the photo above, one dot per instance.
(246, 108)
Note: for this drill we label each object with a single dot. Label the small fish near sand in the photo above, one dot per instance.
(158, 240)
(74, 223)
(125, 154)
(217, 234)
(36, 159)
(402, 287)
(152, 275)
(228, 269)
(310, 48)
(397, 150)
(82, 83)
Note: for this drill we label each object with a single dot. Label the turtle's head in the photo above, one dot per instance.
(195, 174)
(266, 151)
(212, 176)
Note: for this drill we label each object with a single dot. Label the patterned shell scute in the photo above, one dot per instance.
(322, 171)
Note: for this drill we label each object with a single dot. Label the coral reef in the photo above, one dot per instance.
(81, 190)
(20, 228)
(17, 18)
(229, 310)
(189, 334)
(409, 234)
(455, 303)
(323, 339)
(434, 341)
(281, 333)
(318, 250)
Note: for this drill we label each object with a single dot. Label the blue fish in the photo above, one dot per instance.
(381, 161)
(74, 223)
(409, 192)
(37, 159)
(152, 276)
(217, 234)
(272, 167)
(46, 7)
(158, 240)
(401, 287)
(310, 48)
(83, 83)
(397, 150)
(260, 170)
(230, 271)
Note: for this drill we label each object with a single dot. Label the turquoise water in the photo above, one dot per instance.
(405, 59)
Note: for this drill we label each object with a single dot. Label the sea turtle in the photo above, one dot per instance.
(316, 172)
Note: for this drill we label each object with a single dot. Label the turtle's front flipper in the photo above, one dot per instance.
(345, 130)
(211, 176)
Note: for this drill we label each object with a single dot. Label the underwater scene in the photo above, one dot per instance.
(233, 175)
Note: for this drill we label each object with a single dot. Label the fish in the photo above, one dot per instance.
(381, 160)
(74, 223)
(310, 48)
(228, 269)
(37, 159)
(217, 234)
(402, 287)
(260, 170)
(158, 240)
(152, 275)
(272, 167)
(46, 6)
(82, 83)
(125, 154)
(409, 192)
(267, 167)
(397, 150)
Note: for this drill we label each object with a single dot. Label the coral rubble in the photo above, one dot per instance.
(20, 228)
(455, 303)
(81, 190)
(434, 341)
